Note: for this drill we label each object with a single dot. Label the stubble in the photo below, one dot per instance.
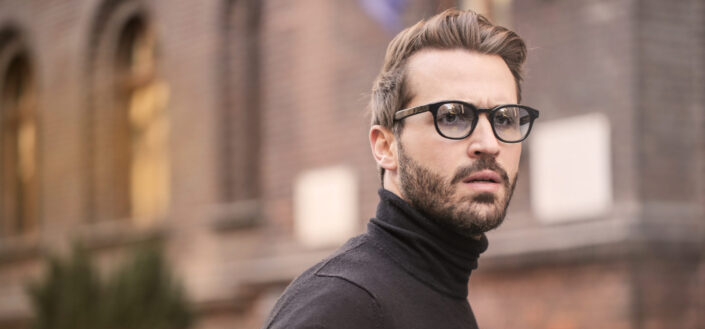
(436, 197)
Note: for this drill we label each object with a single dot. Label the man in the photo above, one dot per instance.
(446, 136)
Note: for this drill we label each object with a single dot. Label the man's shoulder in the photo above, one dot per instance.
(360, 262)
(340, 291)
(352, 265)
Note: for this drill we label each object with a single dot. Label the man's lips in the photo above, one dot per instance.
(484, 176)
(485, 181)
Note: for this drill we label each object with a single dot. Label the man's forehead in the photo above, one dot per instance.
(442, 74)
(432, 60)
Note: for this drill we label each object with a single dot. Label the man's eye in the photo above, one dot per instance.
(504, 120)
(449, 118)
(451, 114)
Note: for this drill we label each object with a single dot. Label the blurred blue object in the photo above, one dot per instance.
(387, 13)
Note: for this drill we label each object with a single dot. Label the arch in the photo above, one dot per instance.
(128, 126)
(19, 137)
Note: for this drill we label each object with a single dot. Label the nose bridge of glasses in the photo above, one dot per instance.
(483, 139)
(484, 122)
(484, 114)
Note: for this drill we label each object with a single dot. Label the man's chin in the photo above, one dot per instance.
(485, 198)
(484, 218)
(482, 198)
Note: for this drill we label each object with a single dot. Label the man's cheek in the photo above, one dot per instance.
(512, 165)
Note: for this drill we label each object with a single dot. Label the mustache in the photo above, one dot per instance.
(484, 163)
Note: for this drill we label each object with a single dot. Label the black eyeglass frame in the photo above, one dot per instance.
(433, 108)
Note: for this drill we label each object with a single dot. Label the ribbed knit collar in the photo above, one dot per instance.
(435, 255)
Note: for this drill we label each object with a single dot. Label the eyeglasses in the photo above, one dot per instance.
(511, 123)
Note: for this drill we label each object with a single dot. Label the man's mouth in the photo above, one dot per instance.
(484, 176)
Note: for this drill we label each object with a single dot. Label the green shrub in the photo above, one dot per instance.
(140, 294)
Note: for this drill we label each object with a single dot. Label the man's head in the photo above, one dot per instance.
(461, 175)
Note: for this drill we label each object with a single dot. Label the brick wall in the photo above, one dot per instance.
(302, 71)
(554, 296)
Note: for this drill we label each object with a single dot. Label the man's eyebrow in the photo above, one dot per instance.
(492, 105)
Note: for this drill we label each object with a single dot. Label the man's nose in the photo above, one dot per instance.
(482, 140)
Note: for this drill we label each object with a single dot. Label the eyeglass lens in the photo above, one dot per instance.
(510, 123)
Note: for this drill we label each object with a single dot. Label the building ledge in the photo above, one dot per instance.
(236, 215)
(674, 226)
(116, 233)
(17, 248)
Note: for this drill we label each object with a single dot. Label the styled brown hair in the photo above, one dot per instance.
(451, 29)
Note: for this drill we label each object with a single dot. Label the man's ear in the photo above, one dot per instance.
(383, 145)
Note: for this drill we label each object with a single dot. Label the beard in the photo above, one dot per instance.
(435, 196)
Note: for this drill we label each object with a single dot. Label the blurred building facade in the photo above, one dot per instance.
(235, 132)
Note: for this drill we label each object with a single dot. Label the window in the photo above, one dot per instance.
(240, 83)
(128, 129)
(143, 98)
(499, 11)
(18, 148)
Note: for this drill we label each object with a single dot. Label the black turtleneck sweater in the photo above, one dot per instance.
(405, 272)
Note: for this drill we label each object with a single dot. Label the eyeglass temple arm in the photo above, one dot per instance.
(409, 112)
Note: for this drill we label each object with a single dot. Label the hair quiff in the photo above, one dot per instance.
(451, 29)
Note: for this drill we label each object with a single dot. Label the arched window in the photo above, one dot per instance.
(144, 99)
(130, 126)
(18, 143)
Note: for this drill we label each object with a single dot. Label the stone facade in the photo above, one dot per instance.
(261, 92)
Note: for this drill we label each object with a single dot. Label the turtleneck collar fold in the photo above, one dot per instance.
(441, 258)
